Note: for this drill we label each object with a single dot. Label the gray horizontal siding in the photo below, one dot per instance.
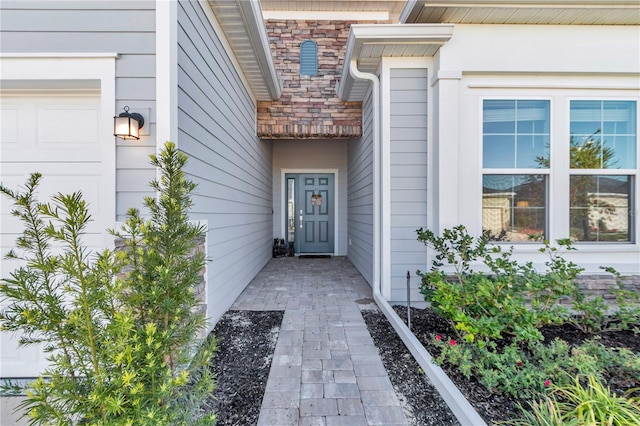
(216, 128)
(360, 195)
(123, 27)
(408, 178)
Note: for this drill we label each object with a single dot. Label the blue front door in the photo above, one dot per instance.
(314, 212)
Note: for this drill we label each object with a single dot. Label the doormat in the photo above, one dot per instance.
(315, 256)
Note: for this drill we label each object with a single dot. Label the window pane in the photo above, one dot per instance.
(499, 116)
(499, 151)
(291, 212)
(532, 151)
(514, 207)
(603, 135)
(585, 117)
(599, 208)
(515, 134)
(533, 117)
(622, 151)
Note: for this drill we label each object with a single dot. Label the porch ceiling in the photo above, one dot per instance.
(368, 44)
(550, 12)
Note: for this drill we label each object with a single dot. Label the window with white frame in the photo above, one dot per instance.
(602, 146)
(515, 139)
(519, 172)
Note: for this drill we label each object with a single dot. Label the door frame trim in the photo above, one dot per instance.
(283, 189)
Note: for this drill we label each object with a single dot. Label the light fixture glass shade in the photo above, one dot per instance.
(127, 125)
(126, 128)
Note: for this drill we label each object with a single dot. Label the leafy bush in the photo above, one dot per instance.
(526, 371)
(122, 346)
(512, 299)
(594, 315)
(497, 314)
(486, 306)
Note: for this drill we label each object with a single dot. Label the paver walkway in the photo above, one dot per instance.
(326, 369)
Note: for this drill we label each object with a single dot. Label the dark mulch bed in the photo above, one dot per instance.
(425, 324)
(423, 404)
(246, 342)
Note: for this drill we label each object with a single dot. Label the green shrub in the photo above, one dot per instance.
(524, 371)
(492, 305)
(508, 299)
(122, 346)
(594, 315)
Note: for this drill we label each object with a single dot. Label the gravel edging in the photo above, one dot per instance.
(423, 404)
(246, 343)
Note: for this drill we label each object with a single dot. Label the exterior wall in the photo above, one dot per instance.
(408, 175)
(360, 196)
(530, 62)
(123, 27)
(216, 128)
(308, 107)
(300, 157)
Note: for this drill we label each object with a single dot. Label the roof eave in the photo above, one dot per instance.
(413, 9)
(391, 34)
(246, 39)
(410, 11)
(260, 41)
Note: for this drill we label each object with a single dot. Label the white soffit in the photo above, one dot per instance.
(243, 26)
(368, 44)
(339, 9)
(339, 15)
(547, 12)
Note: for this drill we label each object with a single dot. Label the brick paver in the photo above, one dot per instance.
(326, 369)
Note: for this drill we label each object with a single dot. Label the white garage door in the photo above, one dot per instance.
(57, 135)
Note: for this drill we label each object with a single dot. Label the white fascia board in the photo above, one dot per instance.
(388, 34)
(254, 20)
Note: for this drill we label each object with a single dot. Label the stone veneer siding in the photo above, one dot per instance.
(601, 284)
(309, 107)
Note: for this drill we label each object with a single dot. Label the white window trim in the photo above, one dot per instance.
(589, 254)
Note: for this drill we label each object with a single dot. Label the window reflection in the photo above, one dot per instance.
(603, 134)
(513, 207)
(516, 133)
(599, 208)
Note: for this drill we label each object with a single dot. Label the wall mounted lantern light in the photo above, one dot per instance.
(127, 125)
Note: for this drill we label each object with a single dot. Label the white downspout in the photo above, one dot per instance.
(377, 162)
(461, 408)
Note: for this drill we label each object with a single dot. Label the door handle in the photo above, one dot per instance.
(301, 219)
